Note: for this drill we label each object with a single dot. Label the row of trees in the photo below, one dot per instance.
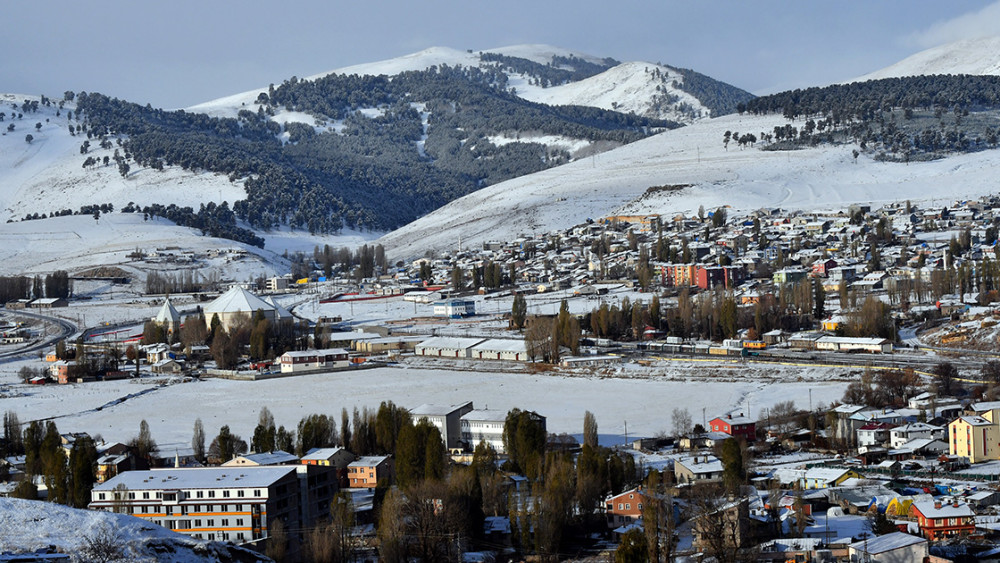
(56, 284)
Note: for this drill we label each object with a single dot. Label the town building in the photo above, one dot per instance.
(238, 504)
(368, 471)
(938, 520)
(737, 426)
(299, 361)
(896, 547)
(447, 419)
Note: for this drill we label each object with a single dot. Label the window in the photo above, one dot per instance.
(197, 523)
(621, 506)
(211, 494)
(239, 493)
(639, 506)
(628, 506)
(225, 494)
(256, 492)
(225, 521)
(100, 496)
(200, 494)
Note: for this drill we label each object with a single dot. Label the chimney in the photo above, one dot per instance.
(937, 504)
(954, 502)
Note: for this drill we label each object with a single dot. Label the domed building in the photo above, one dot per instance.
(237, 304)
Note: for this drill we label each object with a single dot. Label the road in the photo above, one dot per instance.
(66, 329)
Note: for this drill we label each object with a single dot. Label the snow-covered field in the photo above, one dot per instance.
(820, 178)
(641, 398)
(78, 242)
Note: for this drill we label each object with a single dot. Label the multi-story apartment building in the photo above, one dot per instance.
(236, 504)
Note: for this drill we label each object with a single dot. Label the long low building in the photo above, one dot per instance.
(500, 349)
(314, 360)
(845, 344)
(388, 344)
(447, 347)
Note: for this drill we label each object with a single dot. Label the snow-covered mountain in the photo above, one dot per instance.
(27, 525)
(642, 88)
(970, 56)
(616, 182)
(647, 89)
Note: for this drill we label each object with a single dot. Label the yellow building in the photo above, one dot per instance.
(974, 437)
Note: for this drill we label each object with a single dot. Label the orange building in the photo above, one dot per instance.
(368, 471)
(624, 508)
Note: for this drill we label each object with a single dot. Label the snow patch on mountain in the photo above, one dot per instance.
(645, 89)
(969, 56)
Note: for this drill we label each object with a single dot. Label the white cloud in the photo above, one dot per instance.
(984, 22)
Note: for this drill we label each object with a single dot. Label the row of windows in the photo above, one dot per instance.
(221, 536)
(187, 509)
(147, 495)
(628, 506)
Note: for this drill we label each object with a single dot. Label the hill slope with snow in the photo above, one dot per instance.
(615, 182)
(970, 56)
(642, 88)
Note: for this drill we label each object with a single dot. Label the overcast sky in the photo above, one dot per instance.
(182, 52)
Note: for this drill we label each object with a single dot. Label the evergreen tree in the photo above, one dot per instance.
(519, 311)
(198, 440)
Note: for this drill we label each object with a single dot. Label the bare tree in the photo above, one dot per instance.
(681, 419)
(105, 545)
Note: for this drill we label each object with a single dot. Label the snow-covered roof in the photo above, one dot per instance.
(888, 542)
(265, 458)
(237, 300)
(311, 353)
(368, 461)
(701, 463)
(280, 312)
(197, 478)
(485, 415)
(947, 510)
(450, 343)
(318, 454)
(985, 406)
(501, 345)
(167, 314)
(428, 409)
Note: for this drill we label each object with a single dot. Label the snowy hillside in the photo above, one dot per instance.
(629, 87)
(29, 525)
(47, 174)
(824, 177)
(642, 88)
(971, 56)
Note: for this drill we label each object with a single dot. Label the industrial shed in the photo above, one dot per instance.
(447, 347)
(500, 349)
